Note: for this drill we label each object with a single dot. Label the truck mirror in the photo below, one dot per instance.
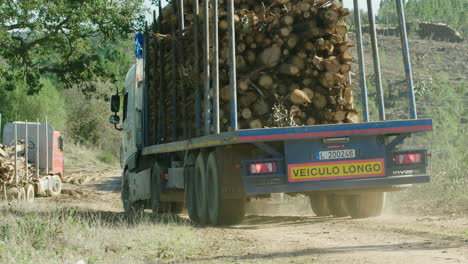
(60, 143)
(115, 103)
(114, 119)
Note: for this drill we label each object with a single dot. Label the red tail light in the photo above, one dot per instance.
(407, 158)
(263, 168)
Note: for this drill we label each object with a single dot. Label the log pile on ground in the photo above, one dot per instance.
(7, 164)
(293, 63)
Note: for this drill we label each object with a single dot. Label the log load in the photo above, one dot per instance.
(7, 165)
(293, 63)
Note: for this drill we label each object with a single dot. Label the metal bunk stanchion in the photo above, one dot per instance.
(375, 56)
(37, 148)
(362, 70)
(196, 68)
(406, 59)
(26, 150)
(181, 35)
(174, 77)
(206, 64)
(232, 64)
(47, 145)
(214, 6)
(162, 108)
(16, 153)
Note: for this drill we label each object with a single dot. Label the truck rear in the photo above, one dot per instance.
(31, 161)
(176, 151)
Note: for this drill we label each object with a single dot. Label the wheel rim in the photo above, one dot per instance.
(213, 189)
(200, 183)
(30, 193)
(56, 186)
(22, 194)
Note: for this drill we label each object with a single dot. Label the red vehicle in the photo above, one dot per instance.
(45, 151)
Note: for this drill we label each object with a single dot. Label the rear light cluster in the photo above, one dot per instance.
(408, 158)
(263, 168)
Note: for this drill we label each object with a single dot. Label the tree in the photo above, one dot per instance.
(53, 38)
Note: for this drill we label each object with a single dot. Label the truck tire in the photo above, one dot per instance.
(366, 204)
(13, 193)
(221, 212)
(190, 188)
(56, 187)
(129, 207)
(201, 188)
(155, 188)
(319, 204)
(337, 206)
(22, 194)
(30, 195)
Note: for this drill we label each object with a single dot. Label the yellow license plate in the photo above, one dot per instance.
(336, 170)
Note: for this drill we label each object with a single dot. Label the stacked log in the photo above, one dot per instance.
(293, 63)
(7, 164)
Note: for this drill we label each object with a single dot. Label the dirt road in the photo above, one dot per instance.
(303, 238)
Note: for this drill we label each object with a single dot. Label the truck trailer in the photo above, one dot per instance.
(31, 162)
(345, 169)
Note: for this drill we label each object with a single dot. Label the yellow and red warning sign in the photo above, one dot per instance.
(336, 170)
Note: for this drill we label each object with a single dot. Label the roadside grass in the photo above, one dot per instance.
(43, 234)
(80, 156)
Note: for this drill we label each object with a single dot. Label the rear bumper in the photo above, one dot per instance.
(298, 187)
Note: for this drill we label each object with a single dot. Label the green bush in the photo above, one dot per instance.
(19, 105)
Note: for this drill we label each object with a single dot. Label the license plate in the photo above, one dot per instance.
(336, 154)
(336, 170)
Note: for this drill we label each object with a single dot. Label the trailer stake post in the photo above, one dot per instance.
(375, 56)
(182, 64)
(232, 64)
(26, 150)
(362, 70)
(37, 149)
(162, 108)
(16, 153)
(174, 76)
(214, 6)
(47, 146)
(206, 63)
(406, 59)
(196, 67)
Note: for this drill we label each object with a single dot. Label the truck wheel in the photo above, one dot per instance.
(232, 212)
(56, 187)
(366, 204)
(155, 188)
(129, 207)
(13, 193)
(319, 204)
(190, 188)
(30, 193)
(337, 206)
(22, 194)
(201, 188)
(221, 212)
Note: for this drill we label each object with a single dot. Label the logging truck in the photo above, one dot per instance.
(31, 161)
(201, 127)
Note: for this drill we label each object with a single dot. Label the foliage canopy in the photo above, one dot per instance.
(53, 38)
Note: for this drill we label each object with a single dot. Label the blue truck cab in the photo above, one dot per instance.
(345, 169)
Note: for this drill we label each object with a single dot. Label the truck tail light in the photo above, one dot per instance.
(263, 168)
(408, 158)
